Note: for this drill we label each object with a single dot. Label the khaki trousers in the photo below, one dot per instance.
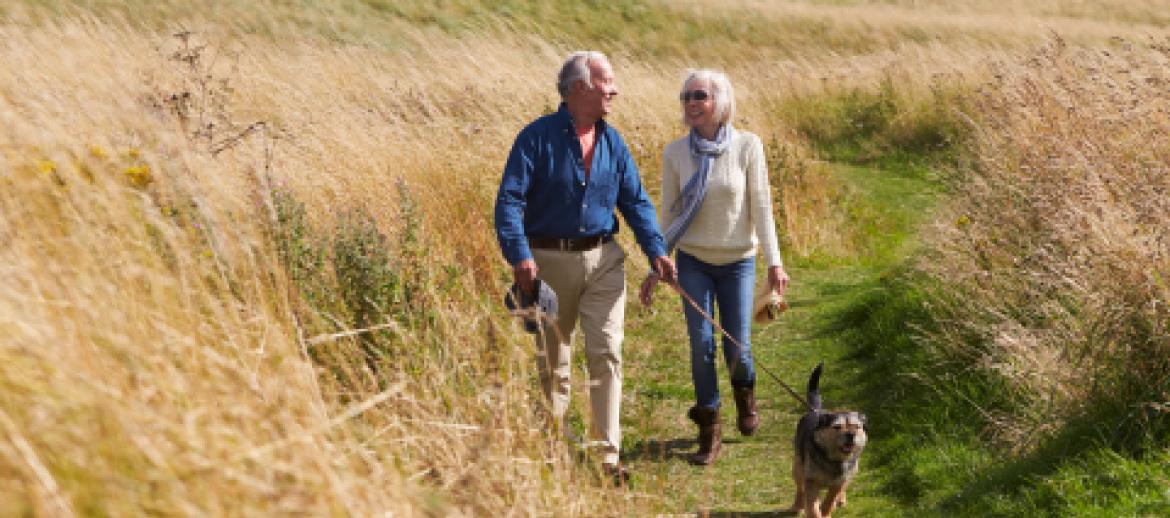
(591, 288)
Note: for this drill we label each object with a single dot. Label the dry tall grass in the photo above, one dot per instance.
(156, 358)
(1055, 257)
(150, 361)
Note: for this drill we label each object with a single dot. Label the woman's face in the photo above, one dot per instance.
(698, 101)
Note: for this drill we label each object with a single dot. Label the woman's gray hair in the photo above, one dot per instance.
(576, 68)
(720, 89)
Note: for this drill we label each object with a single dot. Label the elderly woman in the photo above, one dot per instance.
(716, 208)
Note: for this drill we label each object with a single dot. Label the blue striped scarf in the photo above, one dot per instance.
(684, 208)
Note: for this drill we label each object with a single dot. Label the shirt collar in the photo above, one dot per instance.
(566, 119)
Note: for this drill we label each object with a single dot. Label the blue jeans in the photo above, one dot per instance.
(728, 286)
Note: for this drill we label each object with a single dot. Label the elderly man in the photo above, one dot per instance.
(567, 173)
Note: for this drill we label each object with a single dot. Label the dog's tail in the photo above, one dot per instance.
(814, 390)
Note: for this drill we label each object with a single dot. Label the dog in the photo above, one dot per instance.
(827, 450)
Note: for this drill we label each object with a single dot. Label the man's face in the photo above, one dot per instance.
(598, 96)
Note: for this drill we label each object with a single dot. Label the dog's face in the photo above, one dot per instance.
(841, 434)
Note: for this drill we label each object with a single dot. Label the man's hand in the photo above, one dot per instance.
(777, 279)
(524, 273)
(664, 267)
(646, 291)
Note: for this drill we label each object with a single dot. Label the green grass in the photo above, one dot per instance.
(864, 316)
(928, 454)
(882, 126)
(928, 414)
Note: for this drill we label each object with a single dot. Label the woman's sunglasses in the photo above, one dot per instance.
(698, 95)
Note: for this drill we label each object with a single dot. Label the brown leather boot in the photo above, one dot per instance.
(747, 419)
(710, 434)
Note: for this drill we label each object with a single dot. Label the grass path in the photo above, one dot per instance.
(751, 477)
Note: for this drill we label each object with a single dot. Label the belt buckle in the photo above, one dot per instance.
(565, 245)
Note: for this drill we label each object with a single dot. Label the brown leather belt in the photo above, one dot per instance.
(577, 244)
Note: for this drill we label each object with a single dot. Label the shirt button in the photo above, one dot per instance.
(582, 229)
(584, 205)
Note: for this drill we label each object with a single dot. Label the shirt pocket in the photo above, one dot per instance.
(603, 185)
(563, 183)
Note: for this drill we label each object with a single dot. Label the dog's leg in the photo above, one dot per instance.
(798, 481)
(833, 496)
(841, 500)
(811, 490)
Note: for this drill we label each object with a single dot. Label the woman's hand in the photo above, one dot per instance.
(777, 279)
(646, 292)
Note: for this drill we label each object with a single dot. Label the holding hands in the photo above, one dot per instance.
(777, 282)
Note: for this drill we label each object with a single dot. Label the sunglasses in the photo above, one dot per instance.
(697, 95)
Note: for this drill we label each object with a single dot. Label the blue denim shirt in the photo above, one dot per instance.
(544, 193)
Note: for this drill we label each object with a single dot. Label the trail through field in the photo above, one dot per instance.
(752, 475)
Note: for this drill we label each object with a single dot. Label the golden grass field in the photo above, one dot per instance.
(158, 357)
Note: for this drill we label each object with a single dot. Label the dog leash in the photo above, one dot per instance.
(739, 346)
(548, 319)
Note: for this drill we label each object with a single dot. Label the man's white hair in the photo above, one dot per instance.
(576, 68)
(721, 90)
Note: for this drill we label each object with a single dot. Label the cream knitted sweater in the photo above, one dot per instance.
(736, 215)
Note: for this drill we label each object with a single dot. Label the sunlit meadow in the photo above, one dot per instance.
(247, 258)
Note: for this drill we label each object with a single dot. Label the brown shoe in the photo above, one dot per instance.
(710, 434)
(747, 419)
(616, 472)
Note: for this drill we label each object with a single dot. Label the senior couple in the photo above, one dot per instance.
(565, 176)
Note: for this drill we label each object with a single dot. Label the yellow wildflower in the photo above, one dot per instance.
(139, 175)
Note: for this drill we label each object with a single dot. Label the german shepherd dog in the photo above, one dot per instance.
(828, 447)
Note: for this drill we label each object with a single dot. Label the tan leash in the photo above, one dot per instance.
(738, 345)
